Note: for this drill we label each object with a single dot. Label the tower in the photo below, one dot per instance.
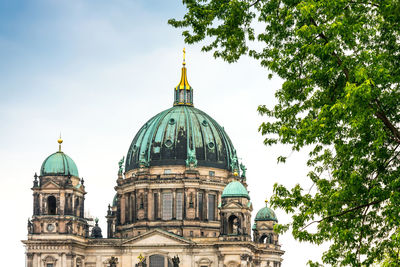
(235, 212)
(58, 209)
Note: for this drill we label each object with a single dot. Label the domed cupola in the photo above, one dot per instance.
(59, 164)
(182, 135)
(266, 214)
(263, 228)
(235, 189)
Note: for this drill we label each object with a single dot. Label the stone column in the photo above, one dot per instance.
(62, 203)
(123, 209)
(243, 260)
(185, 204)
(174, 204)
(150, 205)
(29, 259)
(145, 204)
(159, 204)
(221, 260)
(196, 199)
(128, 211)
(206, 192)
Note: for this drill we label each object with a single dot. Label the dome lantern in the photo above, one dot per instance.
(183, 91)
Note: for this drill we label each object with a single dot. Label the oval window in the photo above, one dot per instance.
(168, 143)
(211, 145)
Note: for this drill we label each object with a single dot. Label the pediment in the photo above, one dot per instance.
(50, 185)
(233, 205)
(157, 237)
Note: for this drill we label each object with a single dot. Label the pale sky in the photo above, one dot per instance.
(96, 71)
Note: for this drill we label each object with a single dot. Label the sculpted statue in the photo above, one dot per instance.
(244, 169)
(69, 227)
(175, 261)
(30, 227)
(191, 160)
(234, 162)
(113, 261)
(120, 163)
(236, 227)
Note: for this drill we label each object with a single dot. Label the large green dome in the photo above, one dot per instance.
(59, 164)
(266, 214)
(235, 189)
(177, 134)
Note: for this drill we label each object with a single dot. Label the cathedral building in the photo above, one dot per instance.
(181, 200)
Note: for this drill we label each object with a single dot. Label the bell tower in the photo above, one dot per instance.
(58, 205)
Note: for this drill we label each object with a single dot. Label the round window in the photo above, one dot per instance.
(172, 121)
(211, 145)
(168, 143)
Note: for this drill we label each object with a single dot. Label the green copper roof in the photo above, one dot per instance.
(59, 164)
(266, 214)
(235, 189)
(181, 135)
(115, 200)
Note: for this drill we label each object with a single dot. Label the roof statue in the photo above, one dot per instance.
(120, 164)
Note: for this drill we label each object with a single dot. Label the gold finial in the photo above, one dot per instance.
(140, 257)
(235, 173)
(184, 56)
(266, 201)
(59, 143)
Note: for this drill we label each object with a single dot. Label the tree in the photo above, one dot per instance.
(340, 62)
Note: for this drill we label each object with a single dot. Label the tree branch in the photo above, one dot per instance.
(380, 115)
(342, 213)
(338, 59)
(254, 3)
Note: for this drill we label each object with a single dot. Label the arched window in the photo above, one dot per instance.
(262, 238)
(51, 205)
(233, 225)
(267, 239)
(156, 261)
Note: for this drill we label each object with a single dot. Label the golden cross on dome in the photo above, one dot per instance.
(184, 55)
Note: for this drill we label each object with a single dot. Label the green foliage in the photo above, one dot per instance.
(340, 62)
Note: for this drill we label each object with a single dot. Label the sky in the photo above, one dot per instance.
(96, 71)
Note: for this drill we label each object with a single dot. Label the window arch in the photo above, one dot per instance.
(51, 205)
(233, 225)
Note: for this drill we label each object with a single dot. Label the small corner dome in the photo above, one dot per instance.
(266, 214)
(235, 189)
(59, 164)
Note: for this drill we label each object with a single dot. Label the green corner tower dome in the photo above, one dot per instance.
(59, 164)
(235, 189)
(266, 214)
(182, 135)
